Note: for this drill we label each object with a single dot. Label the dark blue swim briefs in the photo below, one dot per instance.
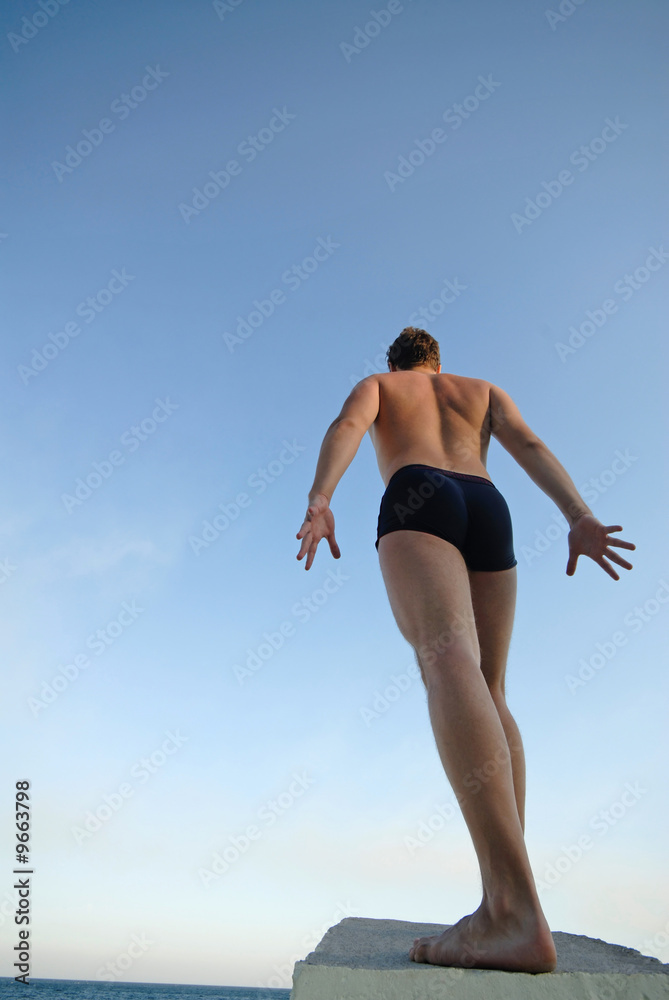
(468, 511)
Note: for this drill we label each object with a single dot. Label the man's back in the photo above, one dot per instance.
(436, 419)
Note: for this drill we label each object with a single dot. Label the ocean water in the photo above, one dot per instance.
(86, 989)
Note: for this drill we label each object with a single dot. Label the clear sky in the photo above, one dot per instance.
(216, 219)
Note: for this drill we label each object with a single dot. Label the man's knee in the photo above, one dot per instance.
(496, 688)
(437, 661)
(455, 642)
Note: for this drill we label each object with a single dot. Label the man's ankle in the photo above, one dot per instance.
(506, 902)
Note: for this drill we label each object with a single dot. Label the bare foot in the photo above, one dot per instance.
(515, 944)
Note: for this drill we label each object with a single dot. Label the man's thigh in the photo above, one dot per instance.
(428, 588)
(493, 597)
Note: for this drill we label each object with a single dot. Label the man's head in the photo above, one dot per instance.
(413, 348)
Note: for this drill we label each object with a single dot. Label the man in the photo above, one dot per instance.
(444, 539)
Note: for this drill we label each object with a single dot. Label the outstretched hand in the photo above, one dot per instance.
(589, 537)
(318, 523)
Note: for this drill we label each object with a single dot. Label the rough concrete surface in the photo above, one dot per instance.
(361, 958)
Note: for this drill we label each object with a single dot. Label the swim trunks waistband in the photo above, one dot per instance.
(443, 472)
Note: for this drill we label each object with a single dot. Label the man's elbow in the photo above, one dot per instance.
(520, 446)
(531, 454)
(531, 441)
(351, 424)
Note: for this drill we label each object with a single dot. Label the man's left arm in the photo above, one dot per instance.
(340, 444)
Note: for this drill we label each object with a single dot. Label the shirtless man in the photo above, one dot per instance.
(445, 548)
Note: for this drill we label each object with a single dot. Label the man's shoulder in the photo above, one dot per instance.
(472, 379)
(466, 382)
(472, 384)
(369, 379)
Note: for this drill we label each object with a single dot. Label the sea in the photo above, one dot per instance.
(87, 989)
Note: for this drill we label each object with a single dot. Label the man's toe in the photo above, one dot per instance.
(420, 949)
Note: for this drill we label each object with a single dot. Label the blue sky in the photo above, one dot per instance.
(172, 677)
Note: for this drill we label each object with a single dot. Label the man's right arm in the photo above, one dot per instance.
(538, 461)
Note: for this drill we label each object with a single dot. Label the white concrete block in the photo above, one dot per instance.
(361, 958)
